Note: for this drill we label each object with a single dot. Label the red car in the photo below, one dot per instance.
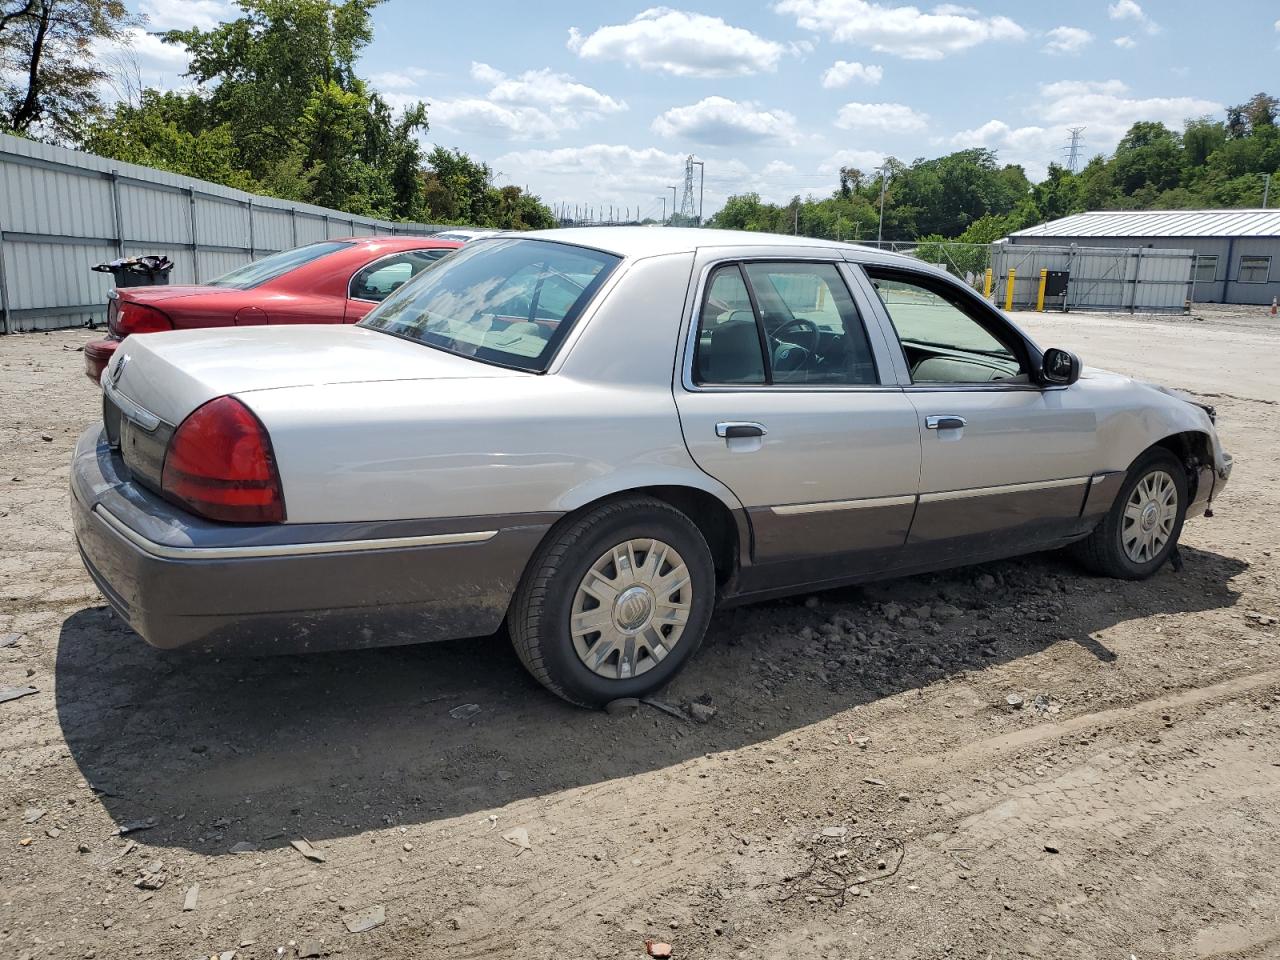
(332, 281)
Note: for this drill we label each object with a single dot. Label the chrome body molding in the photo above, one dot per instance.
(1002, 489)
(285, 549)
(870, 503)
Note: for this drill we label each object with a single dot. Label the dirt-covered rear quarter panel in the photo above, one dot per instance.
(601, 421)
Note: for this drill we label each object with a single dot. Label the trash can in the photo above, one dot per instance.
(149, 271)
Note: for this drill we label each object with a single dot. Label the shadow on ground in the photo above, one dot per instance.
(220, 751)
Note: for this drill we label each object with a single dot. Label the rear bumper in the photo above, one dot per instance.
(181, 582)
(97, 354)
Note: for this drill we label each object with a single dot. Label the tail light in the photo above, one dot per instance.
(129, 318)
(220, 465)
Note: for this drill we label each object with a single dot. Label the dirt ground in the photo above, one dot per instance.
(1016, 760)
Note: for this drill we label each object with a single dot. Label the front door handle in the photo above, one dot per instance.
(948, 422)
(737, 429)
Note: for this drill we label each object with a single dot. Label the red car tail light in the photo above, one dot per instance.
(220, 465)
(130, 318)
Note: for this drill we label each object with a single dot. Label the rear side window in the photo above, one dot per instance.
(277, 265)
(384, 277)
(729, 348)
(781, 323)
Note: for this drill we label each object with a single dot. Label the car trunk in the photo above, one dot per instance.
(156, 380)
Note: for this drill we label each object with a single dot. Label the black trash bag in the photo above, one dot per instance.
(148, 271)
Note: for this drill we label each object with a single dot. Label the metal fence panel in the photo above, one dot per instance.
(61, 211)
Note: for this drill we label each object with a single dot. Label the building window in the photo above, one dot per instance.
(1254, 270)
(1206, 269)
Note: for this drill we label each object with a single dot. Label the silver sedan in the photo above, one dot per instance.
(596, 437)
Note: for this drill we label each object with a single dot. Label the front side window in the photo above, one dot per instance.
(1254, 269)
(277, 265)
(942, 342)
(384, 277)
(509, 302)
(781, 323)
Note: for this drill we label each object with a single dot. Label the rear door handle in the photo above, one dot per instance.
(944, 422)
(737, 429)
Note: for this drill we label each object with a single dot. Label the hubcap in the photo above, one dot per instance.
(1149, 516)
(631, 608)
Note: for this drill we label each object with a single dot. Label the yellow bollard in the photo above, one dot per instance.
(986, 284)
(1044, 279)
(1008, 292)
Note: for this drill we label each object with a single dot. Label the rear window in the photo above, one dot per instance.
(508, 302)
(277, 265)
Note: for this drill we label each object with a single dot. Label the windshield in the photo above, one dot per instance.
(276, 265)
(508, 301)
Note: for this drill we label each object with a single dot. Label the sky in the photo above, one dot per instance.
(590, 103)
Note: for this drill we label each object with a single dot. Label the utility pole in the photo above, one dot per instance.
(1266, 190)
(672, 187)
(884, 181)
(795, 230)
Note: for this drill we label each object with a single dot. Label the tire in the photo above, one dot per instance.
(559, 585)
(1110, 549)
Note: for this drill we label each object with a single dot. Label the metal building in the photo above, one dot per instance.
(62, 211)
(1237, 251)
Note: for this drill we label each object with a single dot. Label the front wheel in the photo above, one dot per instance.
(1142, 528)
(615, 602)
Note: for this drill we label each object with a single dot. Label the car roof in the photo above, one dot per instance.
(400, 243)
(654, 241)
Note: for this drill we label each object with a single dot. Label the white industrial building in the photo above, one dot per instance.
(1237, 252)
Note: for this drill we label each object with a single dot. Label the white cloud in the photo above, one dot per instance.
(557, 91)
(599, 174)
(723, 122)
(1125, 43)
(184, 14)
(486, 119)
(902, 31)
(1106, 110)
(864, 160)
(680, 43)
(886, 117)
(843, 72)
(405, 79)
(1131, 10)
(1070, 40)
(483, 73)
(536, 105)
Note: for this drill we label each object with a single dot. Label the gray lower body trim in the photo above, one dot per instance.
(826, 529)
(289, 588)
(959, 514)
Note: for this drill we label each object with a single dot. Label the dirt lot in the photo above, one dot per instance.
(1128, 808)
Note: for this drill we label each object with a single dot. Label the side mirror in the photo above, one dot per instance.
(1059, 368)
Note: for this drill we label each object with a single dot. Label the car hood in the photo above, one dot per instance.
(170, 374)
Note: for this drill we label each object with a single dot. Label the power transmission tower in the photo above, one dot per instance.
(1073, 149)
(688, 204)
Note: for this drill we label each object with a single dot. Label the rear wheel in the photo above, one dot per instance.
(1142, 528)
(615, 602)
